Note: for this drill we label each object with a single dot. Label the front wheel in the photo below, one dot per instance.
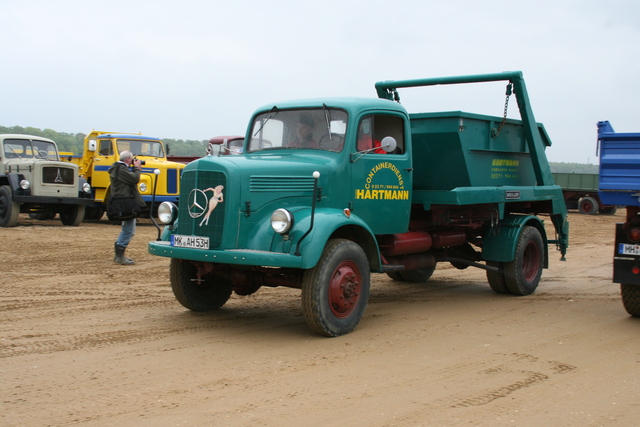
(204, 293)
(9, 210)
(522, 275)
(336, 291)
(631, 299)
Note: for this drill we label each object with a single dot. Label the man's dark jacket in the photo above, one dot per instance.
(124, 182)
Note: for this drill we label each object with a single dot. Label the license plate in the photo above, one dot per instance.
(194, 242)
(625, 249)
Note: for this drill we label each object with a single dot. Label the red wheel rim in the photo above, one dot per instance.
(587, 207)
(345, 288)
(530, 262)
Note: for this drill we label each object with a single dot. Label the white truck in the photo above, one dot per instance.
(33, 180)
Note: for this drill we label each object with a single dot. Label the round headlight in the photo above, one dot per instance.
(281, 221)
(143, 187)
(167, 212)
(86, 187)
(24, 184)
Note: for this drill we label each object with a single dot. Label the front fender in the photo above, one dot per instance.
(501, 245)
(327, 223)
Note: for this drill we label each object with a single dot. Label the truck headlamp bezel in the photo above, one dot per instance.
(281, 221)
(143, 187)
(86, 187)
(167, 213)
(25, 184)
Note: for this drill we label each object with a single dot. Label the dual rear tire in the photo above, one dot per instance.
(522, 275)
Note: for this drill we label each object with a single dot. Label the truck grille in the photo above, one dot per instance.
(280, 183)
(197, 197)
(58, 175)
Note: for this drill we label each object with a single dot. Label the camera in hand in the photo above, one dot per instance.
(142, 162)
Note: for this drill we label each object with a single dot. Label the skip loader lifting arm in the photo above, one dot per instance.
(541, 169)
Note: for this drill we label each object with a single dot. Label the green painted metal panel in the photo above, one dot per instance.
(468, 144)
(577, 181)
(500, 244)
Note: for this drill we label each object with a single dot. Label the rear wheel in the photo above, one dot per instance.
(631, 299)
(205, 294)
(72, 215)
(588, 206)
(522, 275)
(336, 291)
(93, 213)
(9, 210)
(496, 278)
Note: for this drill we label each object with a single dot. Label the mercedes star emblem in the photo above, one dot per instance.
(197, 203)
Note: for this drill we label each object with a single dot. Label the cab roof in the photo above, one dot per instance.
(350, 104)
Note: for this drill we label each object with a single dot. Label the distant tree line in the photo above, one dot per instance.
(179, 147)
(74, 143)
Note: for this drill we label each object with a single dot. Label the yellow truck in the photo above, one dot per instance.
(102, 149)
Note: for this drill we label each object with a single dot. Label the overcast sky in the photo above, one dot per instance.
(193, 69)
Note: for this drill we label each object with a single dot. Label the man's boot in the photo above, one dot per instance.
(120, 258)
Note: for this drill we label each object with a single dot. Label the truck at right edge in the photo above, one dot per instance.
(620, 185)
(372, 188)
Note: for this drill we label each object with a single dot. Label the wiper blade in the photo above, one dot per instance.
(267, 119)
(327, 119)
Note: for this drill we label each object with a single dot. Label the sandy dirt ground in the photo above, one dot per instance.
(86, 342)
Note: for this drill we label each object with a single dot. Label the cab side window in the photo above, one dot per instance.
(372, 129)
(105, 148)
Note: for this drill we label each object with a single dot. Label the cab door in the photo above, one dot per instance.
(103, 158)
(381, 181)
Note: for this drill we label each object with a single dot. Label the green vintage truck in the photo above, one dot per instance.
(328, 191)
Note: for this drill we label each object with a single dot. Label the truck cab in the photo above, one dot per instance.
(102, 149)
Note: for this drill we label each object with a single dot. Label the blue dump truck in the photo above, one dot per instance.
(620, 185)
(329, 190)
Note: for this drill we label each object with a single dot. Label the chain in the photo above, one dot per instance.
(506, 106)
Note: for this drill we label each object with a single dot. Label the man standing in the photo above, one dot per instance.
(124, 183)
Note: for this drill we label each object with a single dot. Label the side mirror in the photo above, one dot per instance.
(91, 146)
(388, 144)
(213, 149)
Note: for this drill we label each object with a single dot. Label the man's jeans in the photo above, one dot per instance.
(127, 233)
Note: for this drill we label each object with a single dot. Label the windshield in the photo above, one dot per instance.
(26, 149)
(141, 147)
(308, 129)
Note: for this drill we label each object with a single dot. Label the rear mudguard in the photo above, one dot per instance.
(500, 242)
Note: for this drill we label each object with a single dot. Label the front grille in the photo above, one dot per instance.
(202, 205)
(280, 183)
(58, 175)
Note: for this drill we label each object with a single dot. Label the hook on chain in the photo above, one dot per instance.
(496, 132)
